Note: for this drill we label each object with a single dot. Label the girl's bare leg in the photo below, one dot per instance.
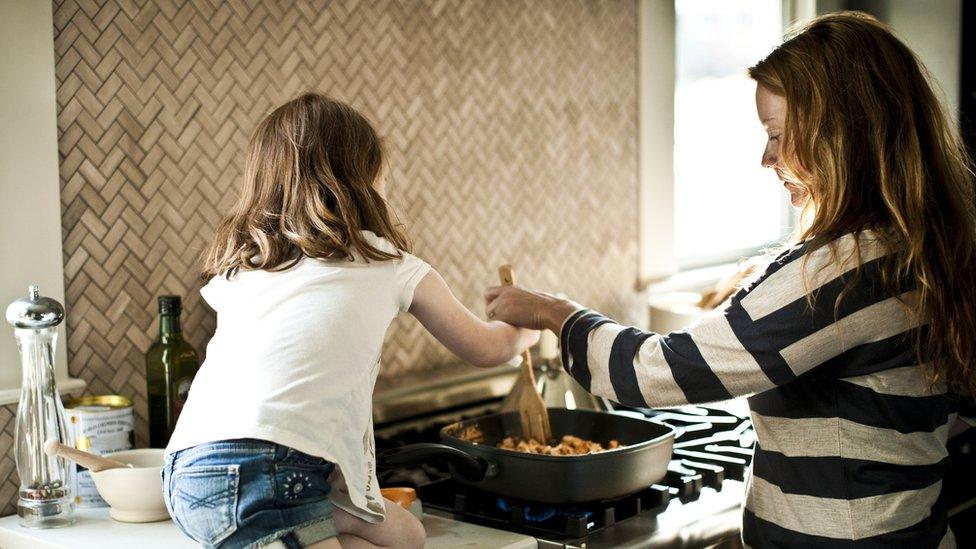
(400, 530)
(326, 544)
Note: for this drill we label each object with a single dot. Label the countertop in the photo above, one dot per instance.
(94, 529)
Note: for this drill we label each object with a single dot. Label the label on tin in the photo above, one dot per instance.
(86, 495)
(100, 430)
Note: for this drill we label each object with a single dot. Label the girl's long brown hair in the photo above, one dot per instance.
(867, 136)
(307, 191)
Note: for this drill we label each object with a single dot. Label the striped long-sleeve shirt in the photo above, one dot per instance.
(851, 437)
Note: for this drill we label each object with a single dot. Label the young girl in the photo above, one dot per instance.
(274, 446)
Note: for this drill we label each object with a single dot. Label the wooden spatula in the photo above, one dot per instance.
(532, 411)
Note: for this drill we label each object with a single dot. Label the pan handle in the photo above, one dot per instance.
(470, 467)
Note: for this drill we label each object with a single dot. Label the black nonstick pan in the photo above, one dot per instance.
(642, 461)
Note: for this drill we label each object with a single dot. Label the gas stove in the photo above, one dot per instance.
(697, 503)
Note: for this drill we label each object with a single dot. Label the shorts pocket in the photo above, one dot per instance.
(301, 479)
(204, 501)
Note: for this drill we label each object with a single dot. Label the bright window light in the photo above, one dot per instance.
(726, 204)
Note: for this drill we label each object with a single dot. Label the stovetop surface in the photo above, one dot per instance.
(698, 501)
(704, 488)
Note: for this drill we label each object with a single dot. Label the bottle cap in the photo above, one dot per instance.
(35, 311)
(170, 305)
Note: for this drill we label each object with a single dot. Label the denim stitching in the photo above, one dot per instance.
(168, 492)
(236, 481)
(283, 489)
(208, 502)
(226, 452)
(213, 501)
(296, 482)
(210, 449)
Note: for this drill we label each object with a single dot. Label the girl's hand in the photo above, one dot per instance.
(527, 308)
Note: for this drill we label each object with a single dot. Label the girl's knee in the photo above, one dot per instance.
(415, 535)
(326, 544)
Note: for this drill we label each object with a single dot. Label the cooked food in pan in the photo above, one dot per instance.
(471, 433)
(568, 446)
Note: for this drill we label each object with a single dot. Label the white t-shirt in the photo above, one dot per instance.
(294, 360)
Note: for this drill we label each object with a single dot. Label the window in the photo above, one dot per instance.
(725, 204)
(704, 199)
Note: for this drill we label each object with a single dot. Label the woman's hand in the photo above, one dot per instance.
(527, 308)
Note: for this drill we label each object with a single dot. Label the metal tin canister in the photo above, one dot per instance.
(101, 425)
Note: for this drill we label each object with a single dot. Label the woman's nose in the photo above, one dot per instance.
(769, 158)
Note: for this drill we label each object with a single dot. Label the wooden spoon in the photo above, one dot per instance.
(93, 462)
(532, 410)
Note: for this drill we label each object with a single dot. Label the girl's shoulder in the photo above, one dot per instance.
(405, 259)
(379, 242)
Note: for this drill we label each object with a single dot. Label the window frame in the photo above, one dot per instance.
(29, 185)
(656, 94)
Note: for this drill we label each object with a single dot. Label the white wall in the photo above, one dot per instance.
(30, 210)
(932, 28)
(656, 35)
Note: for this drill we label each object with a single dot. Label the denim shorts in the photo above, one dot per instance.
(249, 493)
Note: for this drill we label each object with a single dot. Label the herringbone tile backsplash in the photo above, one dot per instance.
(511, 127)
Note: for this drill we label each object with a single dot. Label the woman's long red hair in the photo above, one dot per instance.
(868, 137)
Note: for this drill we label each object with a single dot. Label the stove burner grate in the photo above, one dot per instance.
(575, 521)
(711, 445)
(542, 513)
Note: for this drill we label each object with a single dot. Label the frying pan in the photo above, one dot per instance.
(642, 461)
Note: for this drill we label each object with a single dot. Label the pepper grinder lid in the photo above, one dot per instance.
(35, 311)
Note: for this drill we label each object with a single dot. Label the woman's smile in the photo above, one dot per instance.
(798, 194)
(771, 109)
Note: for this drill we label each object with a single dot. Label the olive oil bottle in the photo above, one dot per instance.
(171, 363)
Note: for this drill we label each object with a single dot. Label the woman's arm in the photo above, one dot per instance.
(472, 339)
(632, 366)
(768, 335)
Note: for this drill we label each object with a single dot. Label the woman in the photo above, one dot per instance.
(855, 336)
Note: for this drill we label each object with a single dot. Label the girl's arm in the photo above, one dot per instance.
(478, 342)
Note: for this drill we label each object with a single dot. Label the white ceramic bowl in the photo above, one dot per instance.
(674, 311)
(136, 493)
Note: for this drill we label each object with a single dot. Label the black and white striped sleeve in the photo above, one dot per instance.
(767, 335)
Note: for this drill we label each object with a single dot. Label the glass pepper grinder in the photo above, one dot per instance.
(46, 482)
